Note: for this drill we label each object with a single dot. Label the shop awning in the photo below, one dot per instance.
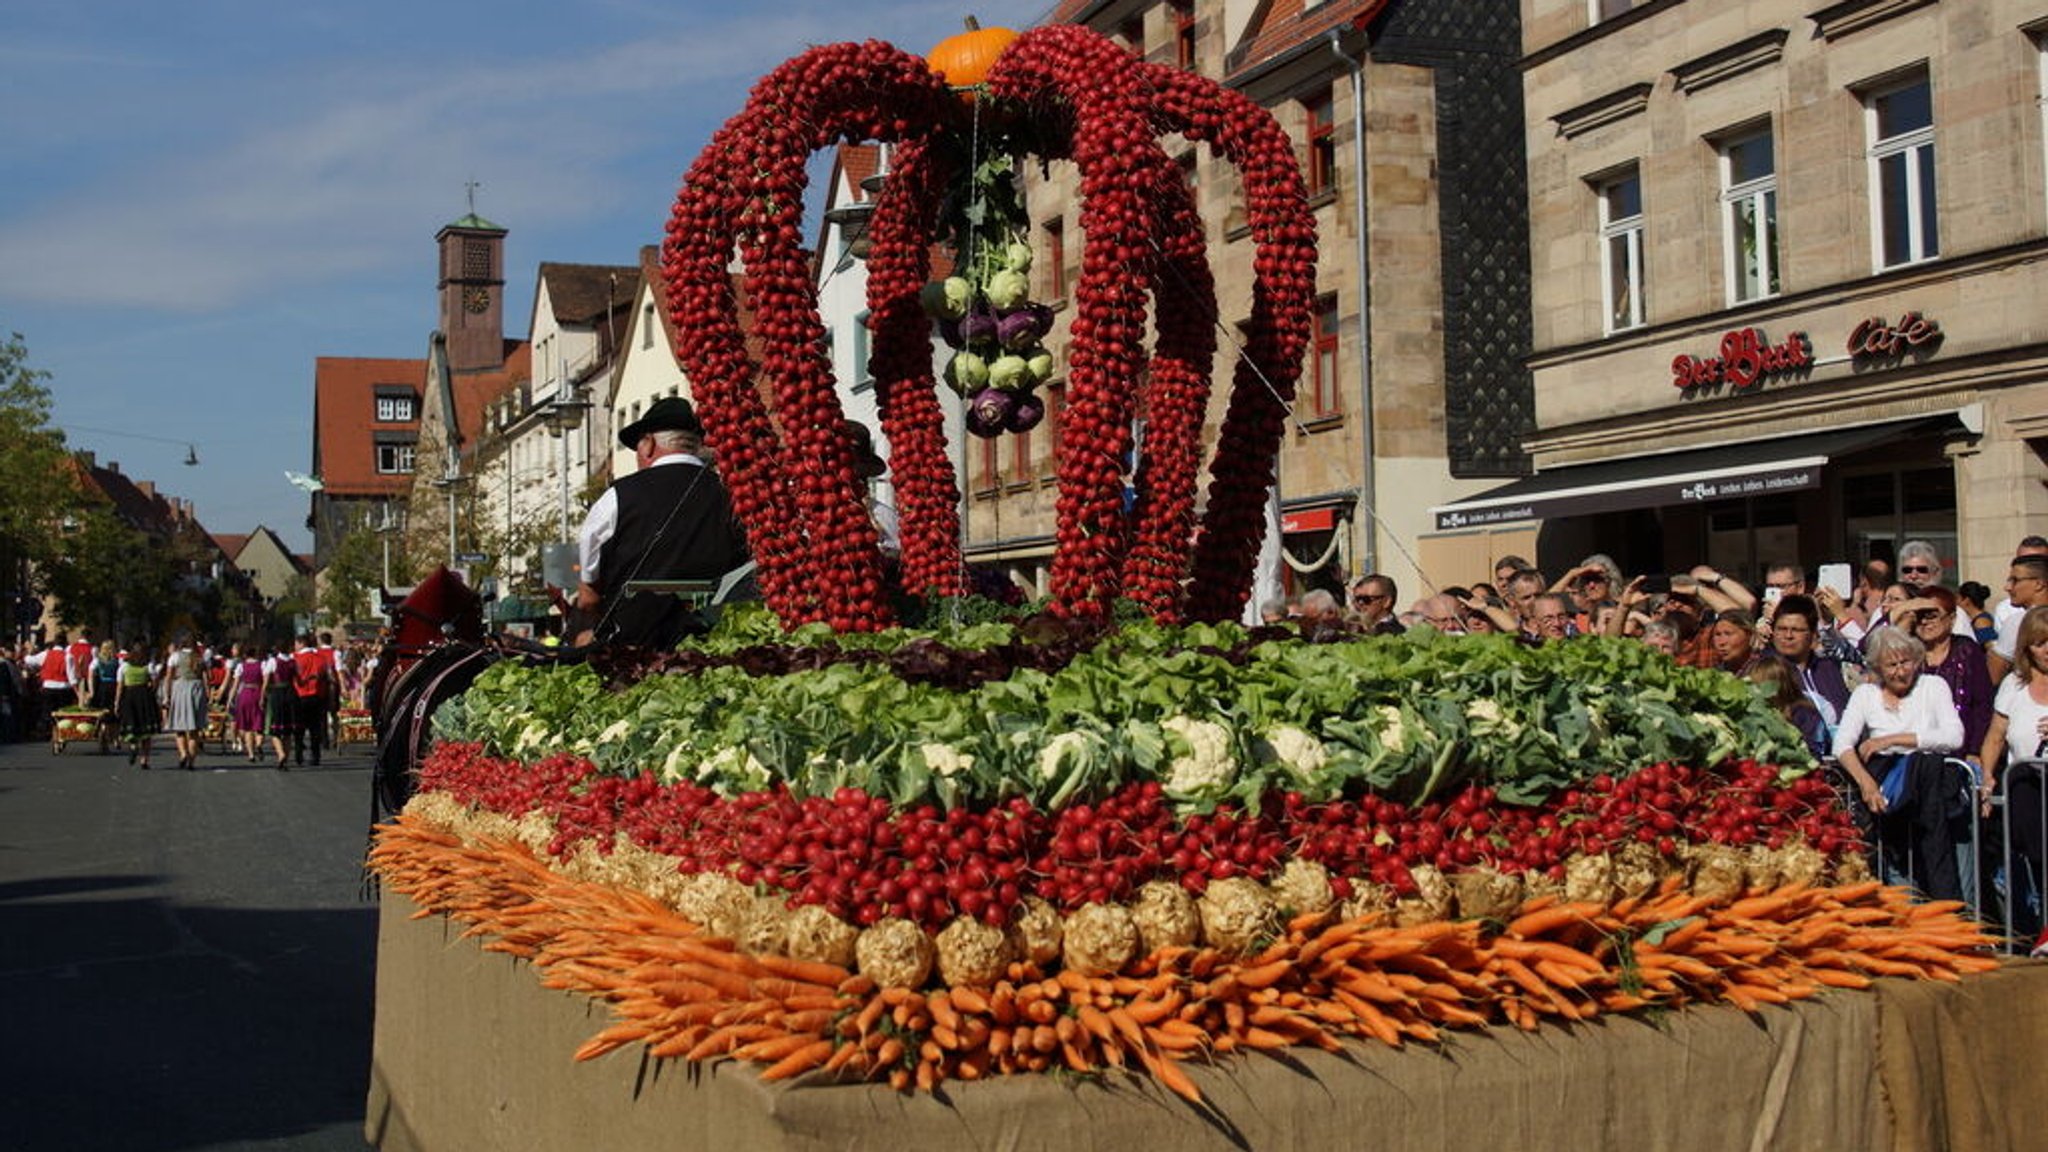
(1724, 472)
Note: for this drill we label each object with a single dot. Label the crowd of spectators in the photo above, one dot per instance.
(1910, 687)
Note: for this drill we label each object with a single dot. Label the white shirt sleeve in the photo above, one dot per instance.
(2008, 637)
(1938, 724)
(1855, 718)
(598, 527)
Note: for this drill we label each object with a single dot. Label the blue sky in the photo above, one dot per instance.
(199, 198)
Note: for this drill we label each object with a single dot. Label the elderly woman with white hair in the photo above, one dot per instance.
(1892, 741)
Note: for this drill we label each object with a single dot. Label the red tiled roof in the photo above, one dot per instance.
(137, 504)
(231, 543)
(344, 422)
(858, 162)
(1065, 11)
(1279, 25)
(475, 391)
(1284, 25)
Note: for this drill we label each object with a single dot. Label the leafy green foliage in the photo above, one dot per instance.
(35, 484)
(1408, 717)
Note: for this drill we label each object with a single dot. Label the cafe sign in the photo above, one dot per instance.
(1747, 359)
(1877, 339)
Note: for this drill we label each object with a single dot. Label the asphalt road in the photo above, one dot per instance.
(187, 959)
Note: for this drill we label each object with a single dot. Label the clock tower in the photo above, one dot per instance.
(472, 288)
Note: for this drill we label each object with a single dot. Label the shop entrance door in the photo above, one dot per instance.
(1882, 509)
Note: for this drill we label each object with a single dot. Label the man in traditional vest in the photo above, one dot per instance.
(312, 675)
(53, 672)
(670, 520)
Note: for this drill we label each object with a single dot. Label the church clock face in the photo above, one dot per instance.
(476, 298)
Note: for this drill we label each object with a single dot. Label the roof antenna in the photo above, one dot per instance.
(471, 186)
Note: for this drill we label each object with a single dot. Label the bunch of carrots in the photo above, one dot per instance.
(681, 993)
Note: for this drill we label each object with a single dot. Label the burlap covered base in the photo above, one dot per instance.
(473, 1055)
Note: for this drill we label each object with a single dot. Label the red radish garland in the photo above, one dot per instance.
(775, 421)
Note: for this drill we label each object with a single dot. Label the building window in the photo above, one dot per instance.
(1749, 217)
(394, 409)
(1621, 248)
(1055, 396)
(1183, 34)
(1322, 143)
(1055, 259)
(395, 458)
(863, 376)
(1902, 207)
(1324, 380)
(991, 464)
(1609, 9)
(1022, 468)
(1132, 33)
(647, 322)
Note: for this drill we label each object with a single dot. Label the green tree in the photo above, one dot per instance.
(354, 568)
(36, 478)
(109, 576)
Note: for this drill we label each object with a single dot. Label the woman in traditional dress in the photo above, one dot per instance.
(242, 696)
(280, 702)
(135, 704)
(184, 698)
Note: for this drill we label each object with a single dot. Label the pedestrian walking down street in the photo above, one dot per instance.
(280, 703)
(11, 697)
(243, 697)
(313, 676)
(184, 698)
(53, 673)
(135, 705)
(106, 665)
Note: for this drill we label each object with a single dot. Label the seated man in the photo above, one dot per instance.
(671, 520)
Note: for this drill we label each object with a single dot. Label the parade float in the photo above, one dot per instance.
(1117, 872)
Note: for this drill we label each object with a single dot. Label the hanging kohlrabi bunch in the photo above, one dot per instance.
(984, 310)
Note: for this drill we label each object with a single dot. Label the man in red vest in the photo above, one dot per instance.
(313, 672)
(53, 670)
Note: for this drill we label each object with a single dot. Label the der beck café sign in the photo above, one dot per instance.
(1748, 360)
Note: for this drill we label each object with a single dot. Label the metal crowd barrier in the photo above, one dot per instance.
(1961, 781)
(2024, 880)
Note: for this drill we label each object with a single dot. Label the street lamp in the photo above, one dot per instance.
(565, 415)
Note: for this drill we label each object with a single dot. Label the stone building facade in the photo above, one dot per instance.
(1787, 283)
(1414, 392)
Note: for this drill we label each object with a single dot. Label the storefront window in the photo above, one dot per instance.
(1743, 536)
(1882, 510)
(1312, 562)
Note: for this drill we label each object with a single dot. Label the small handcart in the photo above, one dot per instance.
(74, 725)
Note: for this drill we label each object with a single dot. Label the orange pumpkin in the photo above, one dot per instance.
(964, 61)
